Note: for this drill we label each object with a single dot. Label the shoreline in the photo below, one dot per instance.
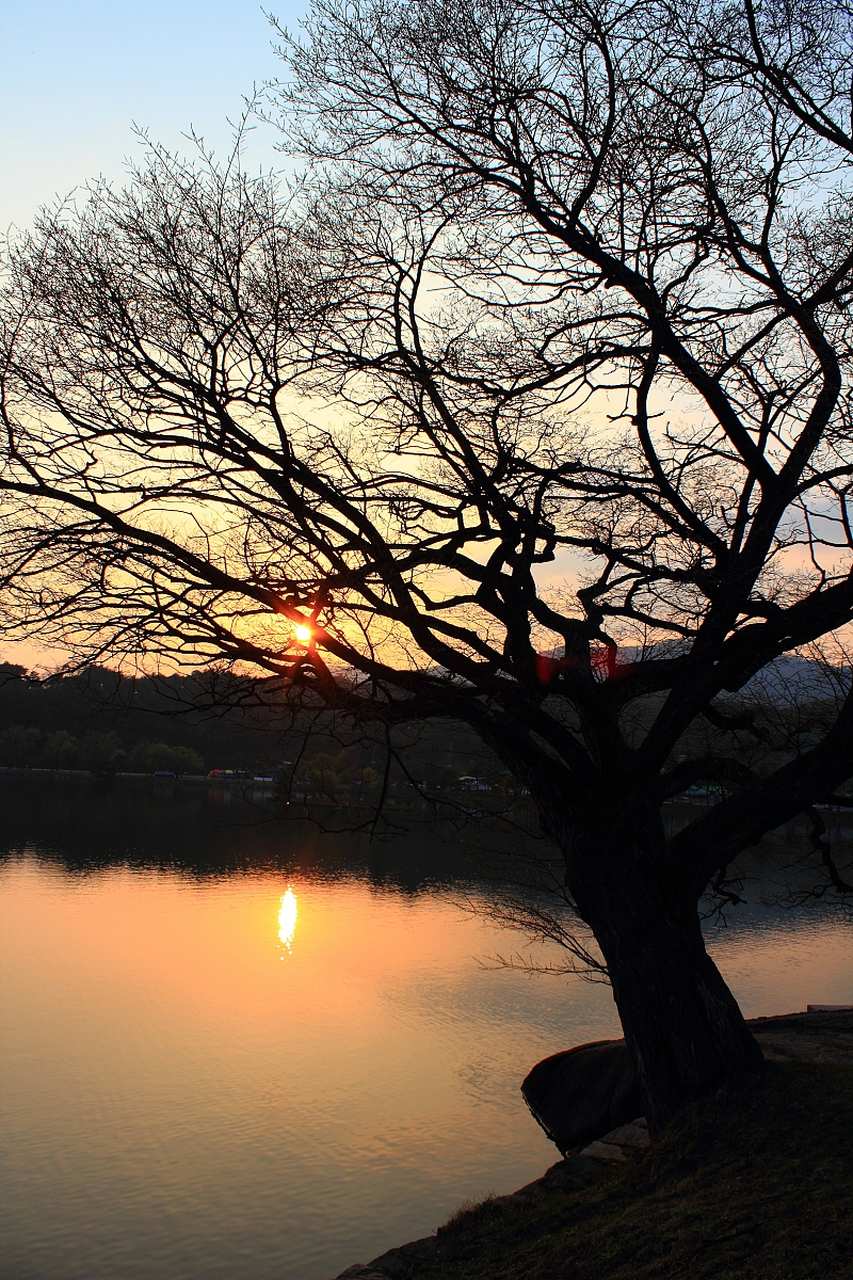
(820, 1033)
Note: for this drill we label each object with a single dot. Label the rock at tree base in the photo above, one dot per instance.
(603, 1151)
(635, 1134)
(582, 1093)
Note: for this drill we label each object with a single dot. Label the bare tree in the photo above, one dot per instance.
(527, 408)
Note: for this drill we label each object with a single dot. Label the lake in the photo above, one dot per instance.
(240, 1049)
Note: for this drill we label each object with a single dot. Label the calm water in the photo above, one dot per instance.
(247, 1051)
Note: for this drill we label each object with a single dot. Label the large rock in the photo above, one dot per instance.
(582, 1093)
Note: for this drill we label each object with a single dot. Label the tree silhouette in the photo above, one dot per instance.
(526, 406)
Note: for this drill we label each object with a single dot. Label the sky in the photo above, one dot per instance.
(77, 75)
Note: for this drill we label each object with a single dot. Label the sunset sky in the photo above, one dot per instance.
(75, 75)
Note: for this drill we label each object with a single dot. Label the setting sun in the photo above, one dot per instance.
(303, 634)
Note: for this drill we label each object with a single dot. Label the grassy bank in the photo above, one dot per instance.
(756, 1184)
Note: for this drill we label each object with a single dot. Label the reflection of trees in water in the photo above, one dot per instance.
(495, 867)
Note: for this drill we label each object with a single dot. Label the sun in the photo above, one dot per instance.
(303, 634)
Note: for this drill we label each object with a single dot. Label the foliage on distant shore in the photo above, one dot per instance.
(102, 753)
(755, 1184)
(108, 722)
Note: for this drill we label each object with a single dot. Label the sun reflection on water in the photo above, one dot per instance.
(287, 919)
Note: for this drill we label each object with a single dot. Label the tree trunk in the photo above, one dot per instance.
(684, 1029)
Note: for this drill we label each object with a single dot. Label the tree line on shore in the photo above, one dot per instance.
(109, 722)
(102, 753)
